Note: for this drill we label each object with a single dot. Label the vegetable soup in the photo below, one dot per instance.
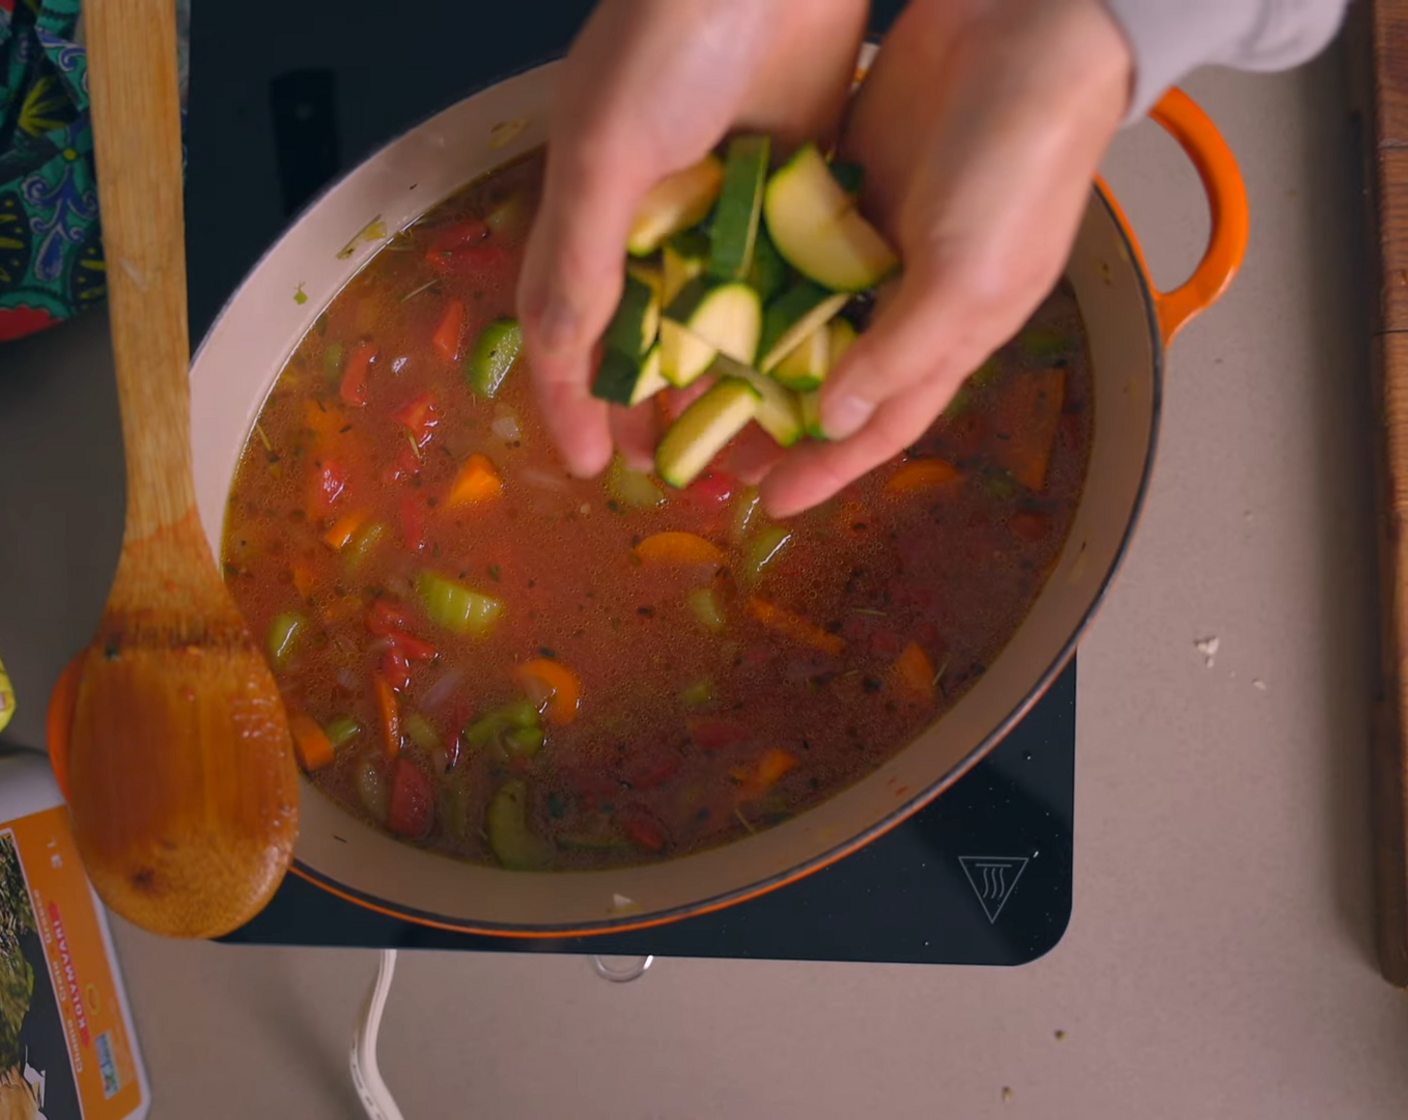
(489, 658)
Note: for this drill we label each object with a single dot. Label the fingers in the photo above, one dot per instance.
(636, 431)
(810, 475)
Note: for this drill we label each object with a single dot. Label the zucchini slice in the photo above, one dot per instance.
(798, 312)
(843, 335)
(811, 415)
(675, 203)
(725, 314)
(769, 272)
(817, 229)
(627, 381)
(684, 257)
(735, 228)
(779, 410)
(636, 323)
(704, 429)
(806, 365)
(683, 356)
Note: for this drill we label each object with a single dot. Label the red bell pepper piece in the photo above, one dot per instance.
(446, 338)
(353, 389)
(329, 482)
(420, 416)
(396, 668)
(641, 828)
(473, 260)
(412, 801)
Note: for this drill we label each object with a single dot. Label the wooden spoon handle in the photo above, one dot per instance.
(132, 79)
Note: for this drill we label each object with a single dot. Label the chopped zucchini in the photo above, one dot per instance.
(766, 547)
(684, 257)
(675, 203)
(811, 415)
(633, 328)
(420, 731)
(706, 426)
(699, 693)
(791, 317)
(341, 730)
(683, 357)
(735, 228)
(843, 337)
(456, 607)
(631, 487)
(817, 229)
(506, 822)
(769, 272)
(627, 381)
(494, 354)
(727, 315)
(705, 605)
(806, 365)
(779, 411)
(283, 636)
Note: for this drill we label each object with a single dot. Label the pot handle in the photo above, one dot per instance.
(1181, 117)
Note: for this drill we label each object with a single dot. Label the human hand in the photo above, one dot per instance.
(649, 88)
(980, 128)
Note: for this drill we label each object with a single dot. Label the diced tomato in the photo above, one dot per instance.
(459, 235)
(406, 464)
(712, 488)
(384, 616)
(472, 260)
(1029, 526)
(396, 668)
(648, 767)
(353, 389)
(329, 484)
(419, 416)
(713, 733)
(413, 516)
(412, 801)
(417, 649)
(591, 783)
(641, 828)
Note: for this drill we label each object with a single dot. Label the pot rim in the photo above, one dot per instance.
(904, 811)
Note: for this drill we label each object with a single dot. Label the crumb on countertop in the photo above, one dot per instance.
(1208, 647)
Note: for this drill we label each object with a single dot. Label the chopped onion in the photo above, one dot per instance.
(543, 480)
(348, 680)
(505, 424)
(436, 695)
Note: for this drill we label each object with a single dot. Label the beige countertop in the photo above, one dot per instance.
(1219, 959)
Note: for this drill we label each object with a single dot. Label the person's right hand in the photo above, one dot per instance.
(650, 87)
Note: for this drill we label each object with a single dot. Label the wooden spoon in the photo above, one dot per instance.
(182, 784)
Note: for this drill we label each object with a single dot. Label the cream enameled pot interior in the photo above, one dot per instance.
(258, 330)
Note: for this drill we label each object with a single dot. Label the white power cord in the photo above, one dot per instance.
(376, 1097)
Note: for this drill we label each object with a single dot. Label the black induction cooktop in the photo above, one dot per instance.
(281, 105)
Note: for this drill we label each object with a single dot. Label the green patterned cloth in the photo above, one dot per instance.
(51, 257)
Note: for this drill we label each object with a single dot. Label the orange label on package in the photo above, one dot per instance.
(65, 1039)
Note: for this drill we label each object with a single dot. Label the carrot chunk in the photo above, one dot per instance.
(679, 548)
(553, 687)
(310, 742)
(914, 672)
(922, 474)
(389, 712)
(796, 627)
(478, 481)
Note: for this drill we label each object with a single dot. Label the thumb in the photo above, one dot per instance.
(571, 280)
(919, 335)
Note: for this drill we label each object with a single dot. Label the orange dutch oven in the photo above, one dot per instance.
(1129, 325)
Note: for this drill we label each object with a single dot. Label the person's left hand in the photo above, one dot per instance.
(980, 129)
